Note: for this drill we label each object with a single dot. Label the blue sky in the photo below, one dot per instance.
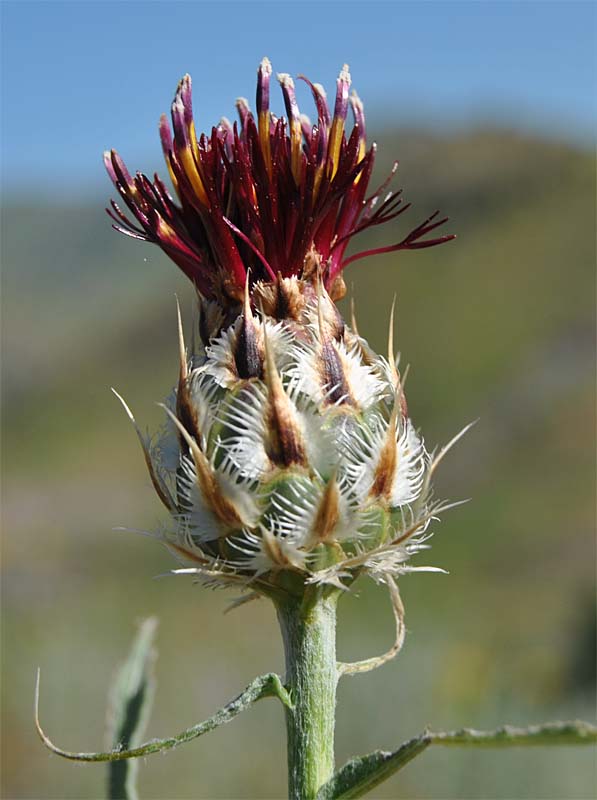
(78, 77)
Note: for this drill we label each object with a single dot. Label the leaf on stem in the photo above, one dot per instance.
(359, 775)
(131, 698)
(268, 685)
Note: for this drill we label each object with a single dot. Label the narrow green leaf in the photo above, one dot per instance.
(359, 775)
(268, 685)
(573, 732)
(363, 773)
(131, 697)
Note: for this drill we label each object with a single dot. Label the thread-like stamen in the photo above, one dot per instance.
(243, 110)
(187, 149)
(340, 111)
(263, 116)
(359, 118)
(239, 175)
(250, 244)
(294, 121)
(167, 148)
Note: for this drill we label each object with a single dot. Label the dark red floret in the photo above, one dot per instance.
(264, 195)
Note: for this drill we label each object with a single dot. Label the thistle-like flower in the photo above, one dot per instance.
(288, 461)
(288, 456)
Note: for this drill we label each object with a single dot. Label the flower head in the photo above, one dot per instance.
(288, 457)
(266, 196)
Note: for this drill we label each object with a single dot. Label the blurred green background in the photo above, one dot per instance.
(497, 325)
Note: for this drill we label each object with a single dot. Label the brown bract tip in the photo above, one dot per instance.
(274, 551)
(328, 512)
(207, 482)
(185, 408)
(284, 444)
(333, 376)
(387, 463)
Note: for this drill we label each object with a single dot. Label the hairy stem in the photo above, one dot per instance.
(308, 627)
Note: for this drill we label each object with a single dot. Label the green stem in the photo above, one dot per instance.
(308, 628)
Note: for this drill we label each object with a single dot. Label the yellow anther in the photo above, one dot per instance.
(192, 173)
(264, 138)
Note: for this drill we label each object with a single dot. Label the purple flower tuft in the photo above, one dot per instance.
(262, 196)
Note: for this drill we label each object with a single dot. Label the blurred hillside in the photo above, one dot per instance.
(498, 325)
